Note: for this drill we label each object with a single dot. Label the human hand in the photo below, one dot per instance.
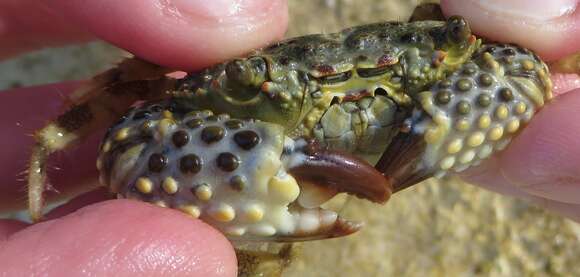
(117, 237)
(541, 164)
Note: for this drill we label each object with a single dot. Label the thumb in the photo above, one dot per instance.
(116, 238)
(551, 28)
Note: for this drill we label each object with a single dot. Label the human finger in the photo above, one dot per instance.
(551, 28)
(544, 160)
(118, 238)
(183, 34)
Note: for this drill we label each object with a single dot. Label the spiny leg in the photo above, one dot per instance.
(92, 107)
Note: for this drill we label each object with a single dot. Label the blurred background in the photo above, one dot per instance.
(437, 228)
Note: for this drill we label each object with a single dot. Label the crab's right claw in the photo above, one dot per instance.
(468, 116)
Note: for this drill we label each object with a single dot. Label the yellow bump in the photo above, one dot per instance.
(490, 61)
(223, 213)
(513, 126)
(170, 185)
(484, 121)
(521, 108)
(495, 133)
(122, 134)
(253, 213)
(433, 135)
(191, 210)
(203, 192)
(462, 125)
(264, 230)
(455, 146)
(475, 139)
(527, 64)
(106, 146)
(167, 114)
(283, 189)
(485, 151)
(144, 185)
(164, 126)
(501, 112)
(447, 163)
(235, 231)
(467, 157)
(160, 203)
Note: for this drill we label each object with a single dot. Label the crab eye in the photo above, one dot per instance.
(458, 29)
(247, 72)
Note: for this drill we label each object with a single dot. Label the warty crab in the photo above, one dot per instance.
(254, 146)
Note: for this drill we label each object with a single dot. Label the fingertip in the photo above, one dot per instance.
(119, 238)
(544, 160)
(181, 34)
(551, 28)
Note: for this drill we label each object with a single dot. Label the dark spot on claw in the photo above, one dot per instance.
(238, 183)
(443, 97)
(180, 138)
(506, 94)
(228, 161)
(190, 163)
(212, 134)
(246, 139)
(234, 124)
(464, 84)
(463, 107)
(485, 79)
(483, 100)
(194, 123)
(509, 52)
(157, 162)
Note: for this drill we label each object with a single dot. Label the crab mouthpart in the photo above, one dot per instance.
(322, 174)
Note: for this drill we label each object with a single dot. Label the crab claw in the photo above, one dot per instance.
(340, 172)
(321, 174)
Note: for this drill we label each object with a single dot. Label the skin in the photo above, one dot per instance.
(540, 165)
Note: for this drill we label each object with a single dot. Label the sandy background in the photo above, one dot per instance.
(444, 228)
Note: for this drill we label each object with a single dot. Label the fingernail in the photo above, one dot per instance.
(530, 9)
(223, 9)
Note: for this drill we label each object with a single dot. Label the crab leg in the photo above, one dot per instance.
(93, 106)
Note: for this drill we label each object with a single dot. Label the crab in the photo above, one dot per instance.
(256, 145)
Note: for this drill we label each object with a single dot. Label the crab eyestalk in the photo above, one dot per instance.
(247, 72)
